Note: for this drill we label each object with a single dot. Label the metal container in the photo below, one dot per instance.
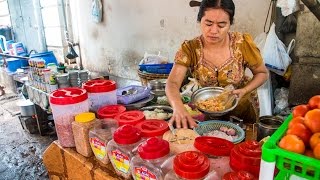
(27, 108)
(157, 87)
(267, 125)
(208, 92)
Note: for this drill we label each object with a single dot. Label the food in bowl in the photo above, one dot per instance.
(157, 114)
(211, 104)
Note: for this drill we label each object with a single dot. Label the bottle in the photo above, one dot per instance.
(80, 129)
(152, 153)
(122, 148)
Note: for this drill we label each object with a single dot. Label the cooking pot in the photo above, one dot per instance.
(27, 108)
(267, 125)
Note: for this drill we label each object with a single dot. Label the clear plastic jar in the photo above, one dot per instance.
(122, 148)
(80, 128)
(66, 104)
(101, 92)
(99, 137)
(152, 154)
(191, 165)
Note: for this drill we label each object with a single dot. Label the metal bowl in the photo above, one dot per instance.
(208, 92)
(157, 84)
(166, 109)
(139, 104)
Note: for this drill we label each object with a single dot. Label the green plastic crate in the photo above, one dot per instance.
(289, 162)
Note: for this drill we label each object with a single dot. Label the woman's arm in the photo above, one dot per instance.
(180, 115)
(260, 75)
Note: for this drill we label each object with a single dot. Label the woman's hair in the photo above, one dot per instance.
(226, 5)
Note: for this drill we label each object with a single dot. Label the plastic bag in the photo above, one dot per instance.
(191, 87)
(288, 6)
(275, 53)
(96, 11)
(153, 59)
(281, 100)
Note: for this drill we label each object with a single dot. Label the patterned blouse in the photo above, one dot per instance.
(244, 54)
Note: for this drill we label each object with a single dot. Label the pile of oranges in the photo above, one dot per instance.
(303, 134)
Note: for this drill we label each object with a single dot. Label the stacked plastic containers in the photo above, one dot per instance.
(150, 161)
(110, 111)
(80, 128)
(152, 128)
(246, 156)
(99, 137)
(122, 149)
(130, 117)
(191, 165)
(101, 92)
(66, 104)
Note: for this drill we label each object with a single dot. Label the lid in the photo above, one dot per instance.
(66, 96)
(247, 153)
(130, 117)
(110, 111)
(85, 117)
(239, 175)
(153, 148)
(152, 127)
(191, 165)
(46, 70)
(213, 146)
(127, 134)
(99, 85)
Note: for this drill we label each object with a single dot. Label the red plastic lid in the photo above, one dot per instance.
(110, 111)
(66, 96)
(99, 85)
(153, 148)
(239, 175)
(127, 134)
(153, 127)
(130, 117)
(191, 165)
(213, 145)
(246, 156)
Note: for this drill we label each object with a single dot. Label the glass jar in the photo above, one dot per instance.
(122, 148)
(99, 137)
(80, 128)
(152, 154)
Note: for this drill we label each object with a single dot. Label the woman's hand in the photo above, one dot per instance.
(240, 92)
(182, 118)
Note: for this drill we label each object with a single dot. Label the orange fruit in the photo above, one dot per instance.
(300, 110)
(309, 153)
(314, 140)
(292, 143)
(314, 102)
(295, 120)
(301, 131)
(316, 151)
(312, 120)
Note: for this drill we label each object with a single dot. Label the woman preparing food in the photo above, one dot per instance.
(217, 57)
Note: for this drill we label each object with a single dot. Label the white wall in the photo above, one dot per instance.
(131, 27)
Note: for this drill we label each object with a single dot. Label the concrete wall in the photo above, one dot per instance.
(130, 28)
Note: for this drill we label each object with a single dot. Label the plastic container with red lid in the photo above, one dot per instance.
(239, 175)
(152, 127)
(66, 103)
(246, 156)
(191, 165)
(122, 148)
(101, 92)
(130, 117)
(110, 111)
(152, 154)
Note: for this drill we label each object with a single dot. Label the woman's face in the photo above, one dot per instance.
(215, 25)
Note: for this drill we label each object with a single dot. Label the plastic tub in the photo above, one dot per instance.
(15, 63)
(47, 56)
(66, 104)
(100, 92)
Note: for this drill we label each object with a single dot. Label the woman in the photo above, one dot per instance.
(217, 58)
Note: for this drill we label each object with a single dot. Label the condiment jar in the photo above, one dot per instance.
(152, 153)
(101, 92)
(122, 148)
(217, 150)
(66, 103)
(152, 128)
(110, 111)
(130, 117)
(191, 165)
(246, 156)
(80, 128)
(99, 137)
